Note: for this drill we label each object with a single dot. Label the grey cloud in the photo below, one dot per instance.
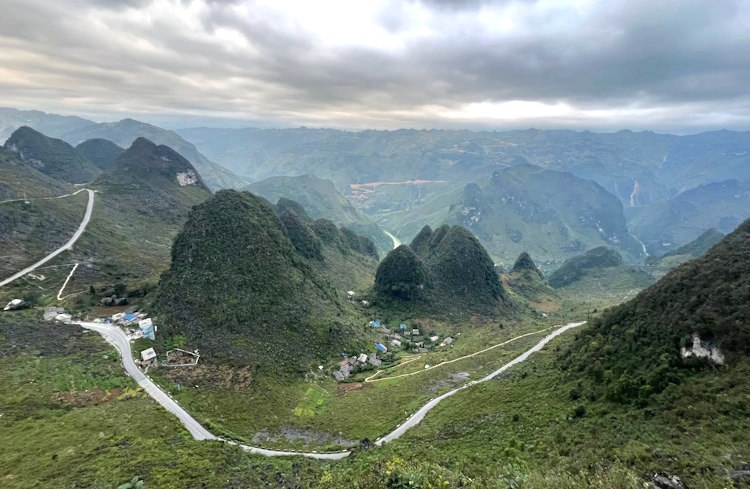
(685, 57)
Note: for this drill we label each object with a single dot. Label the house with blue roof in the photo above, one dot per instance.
(381, 347)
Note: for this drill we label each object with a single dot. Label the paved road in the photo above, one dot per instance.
(66, 246)
(119, 340)
(117, 337)
(417, 417)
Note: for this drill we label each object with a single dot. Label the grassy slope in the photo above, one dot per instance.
(522, 431)
(54, 434)
(18, 179)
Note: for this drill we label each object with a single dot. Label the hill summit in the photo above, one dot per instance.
(525, 263)
(575, 268)
(442, 267)
(244, 291)
(156, 180)
(53, 157)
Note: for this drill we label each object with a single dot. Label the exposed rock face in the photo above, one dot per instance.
(703, 349)
(664, 481)
(187, 178)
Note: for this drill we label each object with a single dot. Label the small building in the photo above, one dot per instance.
(129, 318)
(365, 303)
(419, 344)
(117, 317)
(422, 350)
(338, 376)
(381, 347)
(448, 341)
(350, 294)
(434, 338)
(147, 328)
(362, 358)
(415, 332)
(396, 336)
(13, 305)
(352, 360)
(396, 343)
(375, 324)
(374, 360)
(148, 355)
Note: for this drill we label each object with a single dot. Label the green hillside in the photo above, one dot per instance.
(123, 133)
(659, 265)
(447, 269)
(523, 208)
(53, 157)
(101, 152)
(239, 290)
(320, 199)
(600, 272)
(634, 350)
(19, 180)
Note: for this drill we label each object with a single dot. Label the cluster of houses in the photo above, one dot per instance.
(403, 337)
(355, 363)
(138, 323)
(415, 338)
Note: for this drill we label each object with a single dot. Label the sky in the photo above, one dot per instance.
(670, 66)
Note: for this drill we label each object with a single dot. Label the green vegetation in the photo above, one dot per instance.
(18, 180)
(320, 199)
(53, 157)
(447, 268)
(402, 274)
(695, 249)
(575, 268)
(633, 350)
(522, 209)
(101, 152)
(123, 133)
(238, 289)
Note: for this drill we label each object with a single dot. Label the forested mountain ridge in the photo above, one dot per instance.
(639, 348)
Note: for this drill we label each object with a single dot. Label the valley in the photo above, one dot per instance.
(289, 306)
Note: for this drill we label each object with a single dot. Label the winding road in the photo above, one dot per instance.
(116, 336)
(66, 246)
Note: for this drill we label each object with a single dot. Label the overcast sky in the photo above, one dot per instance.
(679, 66)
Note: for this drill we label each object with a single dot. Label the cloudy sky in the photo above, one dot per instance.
(678, 66)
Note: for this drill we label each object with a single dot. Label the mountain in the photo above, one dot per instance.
(695, 316)
(320, 199)
(603, 266)
(50, 124)
(155, 180)
(239, 289)
(442, 268)
(19, 180)
(637, 167)
(550, 214)
(526, 279)
(696, 248)
(124, 132)
(101, 152)
(669, 224)
(53, 157)
(524, 263)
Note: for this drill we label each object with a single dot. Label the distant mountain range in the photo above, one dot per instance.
(672, 188)
(641, 167)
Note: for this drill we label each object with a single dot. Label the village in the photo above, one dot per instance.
(403, 339)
